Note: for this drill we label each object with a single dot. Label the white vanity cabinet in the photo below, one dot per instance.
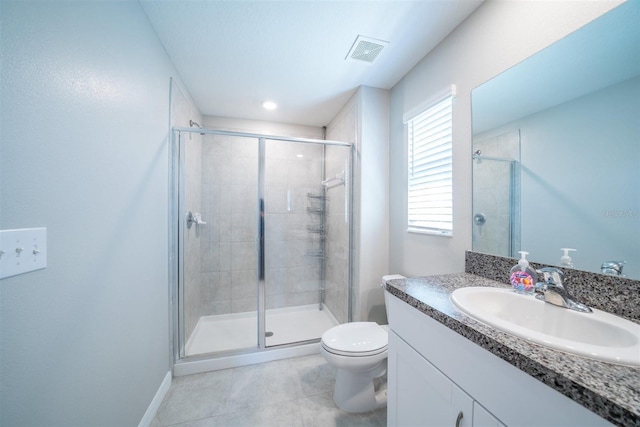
(426, 397)
(435, 373)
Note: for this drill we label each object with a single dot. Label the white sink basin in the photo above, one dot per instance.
(598, 335)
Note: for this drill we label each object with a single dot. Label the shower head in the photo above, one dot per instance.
(196, 124)
(477, 156)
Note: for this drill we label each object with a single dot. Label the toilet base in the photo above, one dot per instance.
(355, 392)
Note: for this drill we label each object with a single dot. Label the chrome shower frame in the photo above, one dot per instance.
(191, 364)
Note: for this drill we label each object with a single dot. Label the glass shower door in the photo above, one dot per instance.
(219, 257)
(301, 245)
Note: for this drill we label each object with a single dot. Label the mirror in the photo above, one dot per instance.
(556, 150)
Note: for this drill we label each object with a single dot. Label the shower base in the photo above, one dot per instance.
(238, 331)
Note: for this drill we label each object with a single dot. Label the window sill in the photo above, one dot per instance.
(443, 233)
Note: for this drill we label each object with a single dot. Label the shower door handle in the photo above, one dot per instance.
(194, 218)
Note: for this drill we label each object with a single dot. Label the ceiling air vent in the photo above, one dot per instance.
(366, 49)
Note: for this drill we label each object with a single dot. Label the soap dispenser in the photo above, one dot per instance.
(522, 276)
(565, 260)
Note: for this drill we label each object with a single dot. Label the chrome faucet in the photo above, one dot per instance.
(612, 268)
(552, 290)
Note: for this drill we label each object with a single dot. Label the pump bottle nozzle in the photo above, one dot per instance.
(565, 260)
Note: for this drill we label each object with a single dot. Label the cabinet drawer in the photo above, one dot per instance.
(421, 395)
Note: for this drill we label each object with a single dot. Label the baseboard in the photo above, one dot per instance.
(157, 400)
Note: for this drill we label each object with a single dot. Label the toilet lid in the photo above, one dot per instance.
(356, 338)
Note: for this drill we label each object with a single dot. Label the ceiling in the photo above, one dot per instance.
(233, 55)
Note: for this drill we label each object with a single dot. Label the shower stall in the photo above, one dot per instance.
(262, 230)
(494, 222)
(496, 194)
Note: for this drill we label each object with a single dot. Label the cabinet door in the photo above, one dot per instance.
(483, 418)
(426, 397)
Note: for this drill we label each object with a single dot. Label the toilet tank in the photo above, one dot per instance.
(383, 282)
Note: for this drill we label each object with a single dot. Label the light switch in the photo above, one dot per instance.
(22, 250)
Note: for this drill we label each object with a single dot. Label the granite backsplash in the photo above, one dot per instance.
(617, 295)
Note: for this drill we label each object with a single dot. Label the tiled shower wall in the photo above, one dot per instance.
(337, 235)
(192, 235)
(227, 247)
(338, 271)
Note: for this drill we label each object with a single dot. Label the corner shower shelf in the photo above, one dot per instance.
(315, 210)
(316, 254)
(335, 181)
(316, 196)
(316, 229)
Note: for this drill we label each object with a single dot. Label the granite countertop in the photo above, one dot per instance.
(611, 391)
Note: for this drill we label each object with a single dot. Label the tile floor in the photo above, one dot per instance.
(290, 392)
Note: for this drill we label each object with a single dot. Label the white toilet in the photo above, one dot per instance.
(359, 351)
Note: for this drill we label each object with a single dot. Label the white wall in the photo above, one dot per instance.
(85, 117)
(364, 121)
(373, 249)
(495, 37)
(587, 195)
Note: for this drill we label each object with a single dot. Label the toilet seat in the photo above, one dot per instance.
(354, 354)
(356, 339)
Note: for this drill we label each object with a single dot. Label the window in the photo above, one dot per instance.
(430, 177)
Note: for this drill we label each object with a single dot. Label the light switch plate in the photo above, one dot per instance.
(22, 250)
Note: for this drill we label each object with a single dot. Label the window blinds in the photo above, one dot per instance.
(430, 177)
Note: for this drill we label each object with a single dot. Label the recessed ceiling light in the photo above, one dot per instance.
(269, 105)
